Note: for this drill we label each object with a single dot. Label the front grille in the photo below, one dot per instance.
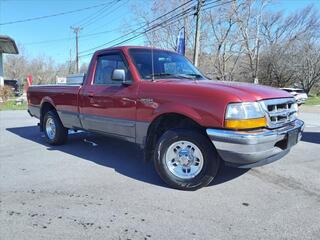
(279, 111)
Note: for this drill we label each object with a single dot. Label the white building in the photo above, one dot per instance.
(8, 46)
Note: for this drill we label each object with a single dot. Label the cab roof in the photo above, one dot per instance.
(131, 47)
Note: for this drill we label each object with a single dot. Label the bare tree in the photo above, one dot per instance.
(15, 66)
(249, 20)
(308, 66)
(289, 42)
(84, 68)
(223, 41)
(164, 35)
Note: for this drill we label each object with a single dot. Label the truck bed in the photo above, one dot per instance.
(64, 98)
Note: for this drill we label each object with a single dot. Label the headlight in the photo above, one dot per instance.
(295, 109)
(245, 116)
(295, 106)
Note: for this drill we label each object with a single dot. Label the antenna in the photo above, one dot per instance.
(152, 63)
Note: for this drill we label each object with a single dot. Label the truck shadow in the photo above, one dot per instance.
(312, 137)
(125, 158)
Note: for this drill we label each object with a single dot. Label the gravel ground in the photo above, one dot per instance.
(105, 191)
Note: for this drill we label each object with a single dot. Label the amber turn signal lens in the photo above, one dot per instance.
(246, 123)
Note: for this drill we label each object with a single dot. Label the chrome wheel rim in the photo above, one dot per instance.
(50, 128)
(184, 159)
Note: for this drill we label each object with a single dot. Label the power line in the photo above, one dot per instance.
(169, 21)
(83, 20)
(223, 3)
(52, 15)
(176, 17)
(49, 41)
(101, 14)
(138, 35)
(85, 24)
(109, 13)
(150, 29)
(132, 38)
(153, 28)
(80, 36)
(99, 33)
(137, 29)
(95, 16)
(102, 32)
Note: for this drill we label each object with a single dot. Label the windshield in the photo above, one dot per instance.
(165, 64)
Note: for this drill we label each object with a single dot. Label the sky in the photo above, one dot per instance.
(53, 36)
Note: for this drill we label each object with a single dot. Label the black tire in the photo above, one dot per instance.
(61, 133)
(211, 160)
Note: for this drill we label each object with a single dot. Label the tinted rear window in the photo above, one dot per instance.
(11, 82)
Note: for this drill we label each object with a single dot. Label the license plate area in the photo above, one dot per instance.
(292, 137)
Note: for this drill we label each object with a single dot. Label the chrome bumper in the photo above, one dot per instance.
(247, 149)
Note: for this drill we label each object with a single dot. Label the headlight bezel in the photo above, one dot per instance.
(244, 107)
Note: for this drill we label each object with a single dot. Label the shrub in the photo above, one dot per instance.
(5, 93)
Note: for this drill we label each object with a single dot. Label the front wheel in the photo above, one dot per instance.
(186, 159)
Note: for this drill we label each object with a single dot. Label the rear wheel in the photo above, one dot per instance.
(186, 159)
(55, 132)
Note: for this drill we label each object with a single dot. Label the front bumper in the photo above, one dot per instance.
(301, 101)
(247, 149)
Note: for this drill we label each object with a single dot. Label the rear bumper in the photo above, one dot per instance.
(247, 149)
(30, 113)
(34, 111)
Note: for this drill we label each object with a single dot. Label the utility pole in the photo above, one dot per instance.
(70, 62)
(185, 27)
(256, 79)
(197, 36)
(76, 30)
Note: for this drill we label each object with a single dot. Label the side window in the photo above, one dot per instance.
(105, 66)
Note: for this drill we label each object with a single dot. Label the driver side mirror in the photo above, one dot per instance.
(119, 75)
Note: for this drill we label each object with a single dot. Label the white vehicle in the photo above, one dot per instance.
(75, 79)
(298, 94)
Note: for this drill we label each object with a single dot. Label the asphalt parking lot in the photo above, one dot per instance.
(99, 188)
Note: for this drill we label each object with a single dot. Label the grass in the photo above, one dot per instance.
(11, 105)
(315, 100)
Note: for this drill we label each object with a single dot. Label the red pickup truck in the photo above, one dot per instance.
(186, 124)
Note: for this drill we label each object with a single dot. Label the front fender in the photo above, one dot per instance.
(201, 117)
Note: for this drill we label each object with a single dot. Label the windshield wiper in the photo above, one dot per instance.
(160, 75)
(168, 75)
(194, 75)
(181, 75)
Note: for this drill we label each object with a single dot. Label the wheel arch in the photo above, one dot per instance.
(162, 123)
(46, 105)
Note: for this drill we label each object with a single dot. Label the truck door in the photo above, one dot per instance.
(108, 106)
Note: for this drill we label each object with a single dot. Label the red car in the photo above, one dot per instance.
(186, 124)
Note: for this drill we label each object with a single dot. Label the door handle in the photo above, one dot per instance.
(90, 95)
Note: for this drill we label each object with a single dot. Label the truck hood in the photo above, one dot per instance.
(243, 91)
